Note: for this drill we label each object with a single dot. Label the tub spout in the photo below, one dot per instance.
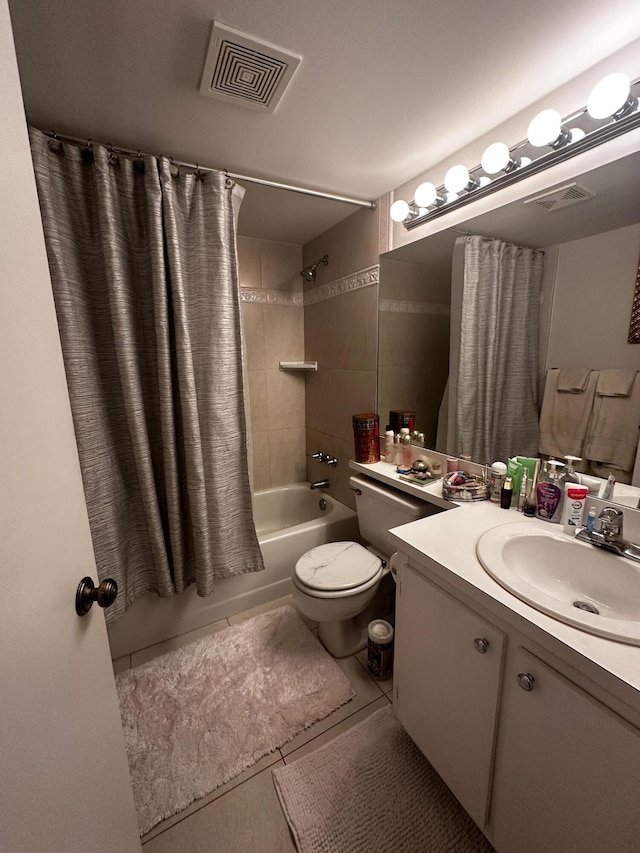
(320, 484)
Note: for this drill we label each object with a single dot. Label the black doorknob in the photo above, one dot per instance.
(88, 592)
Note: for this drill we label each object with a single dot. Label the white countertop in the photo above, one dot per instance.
(448, 539)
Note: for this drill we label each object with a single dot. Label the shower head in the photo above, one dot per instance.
(309, 273)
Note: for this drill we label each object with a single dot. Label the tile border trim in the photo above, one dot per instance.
(397, 306)
(270, 297)
(356, 281)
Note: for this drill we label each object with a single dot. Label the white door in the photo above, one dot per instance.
(64, 780)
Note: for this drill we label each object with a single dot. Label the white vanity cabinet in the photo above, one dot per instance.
(447, 672)
(541, 765)
(567, 774)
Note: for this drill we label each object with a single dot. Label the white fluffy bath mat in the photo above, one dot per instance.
(200, 715)
(372, 791)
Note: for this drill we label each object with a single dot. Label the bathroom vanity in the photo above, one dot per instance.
(533, 724)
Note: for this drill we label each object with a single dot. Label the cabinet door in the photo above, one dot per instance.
(447, 669)
(567, 768)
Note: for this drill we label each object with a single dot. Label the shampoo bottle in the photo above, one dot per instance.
(549, 494)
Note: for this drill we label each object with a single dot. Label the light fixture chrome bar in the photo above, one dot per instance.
(592, 140)
(359, 202)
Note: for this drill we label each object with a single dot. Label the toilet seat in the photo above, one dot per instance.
(336, 570)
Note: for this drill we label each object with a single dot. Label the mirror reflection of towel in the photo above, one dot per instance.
(565, 416)
(612, 434)
(573, 379)
(616, 383)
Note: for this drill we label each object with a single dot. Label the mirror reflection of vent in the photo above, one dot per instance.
(243, 70)
(563, 197)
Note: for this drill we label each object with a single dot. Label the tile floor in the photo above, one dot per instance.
(244, 816)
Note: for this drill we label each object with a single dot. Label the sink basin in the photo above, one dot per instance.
(572, 581)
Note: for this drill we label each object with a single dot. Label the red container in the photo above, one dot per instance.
(366, 437)
(399, 418)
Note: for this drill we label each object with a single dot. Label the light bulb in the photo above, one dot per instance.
(425, 195)
(525, 161)
(608, 96)
(399, 210)
(451, 197)
(457, 179)
(496, 158)
(577, 133)
(545, 128)
(484, 181)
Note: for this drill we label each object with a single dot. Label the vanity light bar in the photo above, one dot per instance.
(614, 99)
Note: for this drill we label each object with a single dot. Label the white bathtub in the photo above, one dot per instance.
(289, 520)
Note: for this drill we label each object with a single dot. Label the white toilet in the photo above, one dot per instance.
(338, 584)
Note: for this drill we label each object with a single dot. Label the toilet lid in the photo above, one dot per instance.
(337, 565)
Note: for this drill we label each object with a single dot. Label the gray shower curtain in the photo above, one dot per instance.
(144, 272)
(497, 399)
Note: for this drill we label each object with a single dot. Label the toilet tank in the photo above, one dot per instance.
(381, 507)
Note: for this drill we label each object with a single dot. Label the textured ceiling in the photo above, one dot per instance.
(385, 88)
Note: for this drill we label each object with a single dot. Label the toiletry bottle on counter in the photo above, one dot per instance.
(506, 493)
(397, 449)
(575, 497)
(406, 450)
(496, 479)
(591, 519)
(549, 494)
(388, 445)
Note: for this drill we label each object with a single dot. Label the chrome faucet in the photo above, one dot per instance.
(611, 521)
(610, 535)
(320, 484)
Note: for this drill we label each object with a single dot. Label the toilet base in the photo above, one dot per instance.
(348, 636)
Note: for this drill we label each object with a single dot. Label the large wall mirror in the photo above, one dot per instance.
(592, 248)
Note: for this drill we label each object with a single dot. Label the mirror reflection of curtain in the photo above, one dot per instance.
(497, 395)
(144, 272)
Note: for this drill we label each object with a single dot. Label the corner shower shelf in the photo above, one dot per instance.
(298, 365)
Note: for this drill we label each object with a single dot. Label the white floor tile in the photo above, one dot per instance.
(121, 664)
(265, 762)
(261, 608)
(247, 819)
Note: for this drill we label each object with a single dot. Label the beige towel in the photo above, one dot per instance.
(612, 435)
(573, 379)
(564, 417)
(616, 383)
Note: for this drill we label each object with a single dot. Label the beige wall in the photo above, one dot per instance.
(272, 318)
(594, 284)
(341, 335)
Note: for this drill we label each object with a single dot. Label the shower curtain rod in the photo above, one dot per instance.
(370, 205)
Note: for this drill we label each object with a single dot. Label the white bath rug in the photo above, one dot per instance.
(200, 715)
(372, 790)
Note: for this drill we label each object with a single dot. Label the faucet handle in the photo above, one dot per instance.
(611, 520)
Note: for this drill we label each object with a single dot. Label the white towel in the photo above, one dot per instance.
(565, 417)
(612, 435)
(573, 379)
(616, 382)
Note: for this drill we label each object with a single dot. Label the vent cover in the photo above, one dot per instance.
(245, 71)
(560, 198)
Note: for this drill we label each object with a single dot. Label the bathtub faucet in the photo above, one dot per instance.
(320, 484)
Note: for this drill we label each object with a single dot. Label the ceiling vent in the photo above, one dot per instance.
(245, 71)
(564, 197)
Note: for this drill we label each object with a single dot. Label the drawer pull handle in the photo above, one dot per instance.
(481, 645)
(526, 681)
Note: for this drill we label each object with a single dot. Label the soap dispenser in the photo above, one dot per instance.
(549, 493)
(570, 475)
